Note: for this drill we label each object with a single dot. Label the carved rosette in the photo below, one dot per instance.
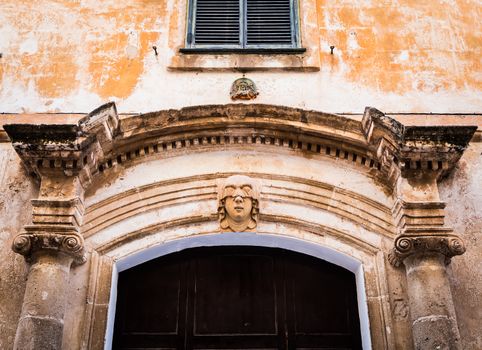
(406, 245)
(70, 243)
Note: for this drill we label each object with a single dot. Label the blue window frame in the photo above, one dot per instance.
(243, 25)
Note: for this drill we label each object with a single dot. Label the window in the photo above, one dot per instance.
(243, 26)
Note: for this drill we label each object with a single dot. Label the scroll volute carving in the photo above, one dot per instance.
(238, 204)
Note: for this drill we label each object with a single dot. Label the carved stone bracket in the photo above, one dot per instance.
(55, 228)
(405, 245)
(410, 150)
(422, 231)
(66, 150)
(421, 155)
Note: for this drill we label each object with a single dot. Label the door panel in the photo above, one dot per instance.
(234, 295)
(236, 298)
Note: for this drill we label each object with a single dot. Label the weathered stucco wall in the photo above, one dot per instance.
(463, 193)
(400, 56)
(70, 56)
(16, 190)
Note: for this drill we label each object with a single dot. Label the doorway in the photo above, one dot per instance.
(236, 297)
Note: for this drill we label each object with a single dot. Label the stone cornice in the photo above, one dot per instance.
(66, 150)
(412, 150)
(101, 140)
(382, 146)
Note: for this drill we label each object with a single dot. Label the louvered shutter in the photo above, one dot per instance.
(268, 22)
(217, 22)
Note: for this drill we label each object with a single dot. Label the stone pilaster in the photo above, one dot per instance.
(425, 247)
(63, 158)
(41, 321)
(50, 244)
(417, 158)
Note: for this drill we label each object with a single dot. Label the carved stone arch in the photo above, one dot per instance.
(111, 186)
(336, 224)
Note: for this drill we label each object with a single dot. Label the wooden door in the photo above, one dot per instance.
(236, 298)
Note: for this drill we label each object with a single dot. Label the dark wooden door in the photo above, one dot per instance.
(236, 298)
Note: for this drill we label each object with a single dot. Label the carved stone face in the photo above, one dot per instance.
(238, 205)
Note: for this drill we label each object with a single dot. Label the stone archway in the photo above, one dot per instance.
(111, 187)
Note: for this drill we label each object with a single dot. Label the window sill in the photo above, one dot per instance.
(240, 51)
(241, 60)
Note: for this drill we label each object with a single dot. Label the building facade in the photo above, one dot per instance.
(329, 136)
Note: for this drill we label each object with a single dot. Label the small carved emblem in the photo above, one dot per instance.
(238, 204)
(244, 89)
(400, 310)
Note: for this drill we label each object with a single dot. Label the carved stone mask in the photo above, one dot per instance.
(238, 204)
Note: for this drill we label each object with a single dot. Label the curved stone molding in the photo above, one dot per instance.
(68, 242)
(356, 208)
(448, 245)
(238, 204)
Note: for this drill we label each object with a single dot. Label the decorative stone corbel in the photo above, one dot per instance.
(63, 158)
(416, 158)
(50, 150)
(414, 150)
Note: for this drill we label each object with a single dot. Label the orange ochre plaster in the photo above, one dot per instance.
(60, 47)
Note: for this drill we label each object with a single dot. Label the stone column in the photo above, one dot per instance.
(425, 247)
(51, 244)
(434, 324)
(414, 159)
(64, 158)
(42, 319)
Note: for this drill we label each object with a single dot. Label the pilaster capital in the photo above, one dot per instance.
(50, 238)
(440, 241)
(55, 229)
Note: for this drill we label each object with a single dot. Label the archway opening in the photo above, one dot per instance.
(237, 297)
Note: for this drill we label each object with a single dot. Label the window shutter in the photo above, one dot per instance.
(217, 22)
(269, 22)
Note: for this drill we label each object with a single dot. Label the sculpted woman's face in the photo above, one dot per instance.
(239, 202)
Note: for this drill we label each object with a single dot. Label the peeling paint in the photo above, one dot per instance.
(69, 56)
